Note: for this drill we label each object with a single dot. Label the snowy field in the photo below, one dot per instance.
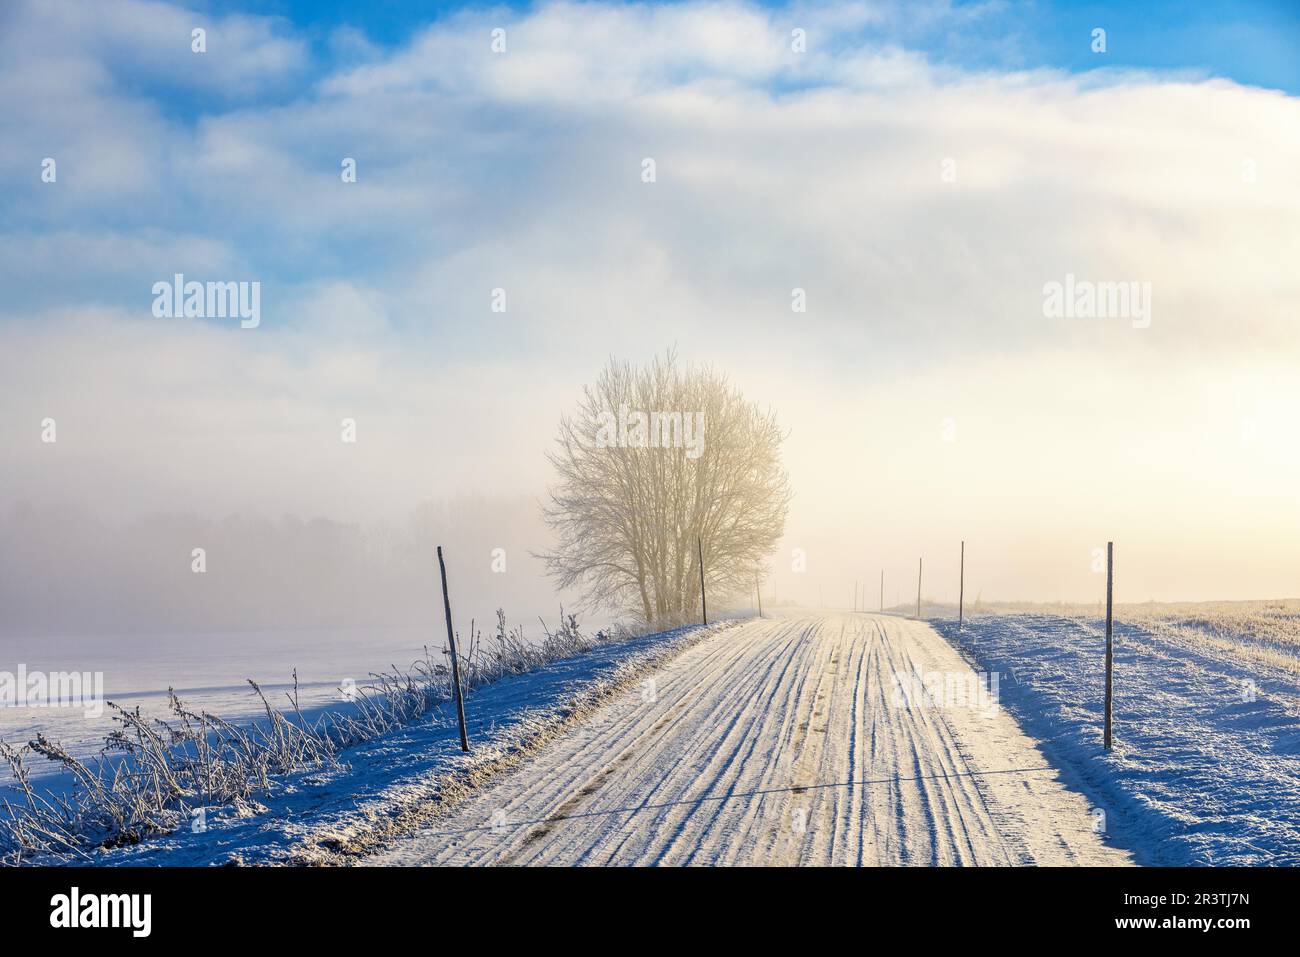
(1206, 768)
(775, 741)
(209, 672)
(330, 814)
(1206, 764)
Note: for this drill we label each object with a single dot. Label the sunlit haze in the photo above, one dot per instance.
(921, 196)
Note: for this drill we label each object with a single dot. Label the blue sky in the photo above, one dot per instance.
(921, 171)
(1252, 41)
(319, 42)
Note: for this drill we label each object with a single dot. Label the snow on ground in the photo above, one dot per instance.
(1206, 764)
(208, 671)
(785, 741)
(327, 815)
(781, 741)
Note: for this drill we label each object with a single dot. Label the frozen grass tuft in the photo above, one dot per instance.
(154, 775)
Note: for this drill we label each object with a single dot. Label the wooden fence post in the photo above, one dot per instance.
(455, 659)
(704, 602)
(919, 563)
(1110, 586)
(961, 587)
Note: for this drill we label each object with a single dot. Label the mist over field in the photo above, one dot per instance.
(920, 207)
(66, 571)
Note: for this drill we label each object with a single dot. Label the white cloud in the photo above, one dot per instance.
(150, 41)
(522, 171)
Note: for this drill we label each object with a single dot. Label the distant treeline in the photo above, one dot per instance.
(66, 571)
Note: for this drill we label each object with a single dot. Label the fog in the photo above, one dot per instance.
(922, 210)
(65, 571)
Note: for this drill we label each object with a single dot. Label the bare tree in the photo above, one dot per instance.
(653, 459)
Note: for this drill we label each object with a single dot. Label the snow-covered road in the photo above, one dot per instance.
(782, 741)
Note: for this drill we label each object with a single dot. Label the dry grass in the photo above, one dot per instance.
(1265, 631)
(154, 774)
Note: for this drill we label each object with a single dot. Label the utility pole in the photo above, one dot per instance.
(918, 587)
(882, 591)
(455, 659)
(961, 587)
(704, 603)
(758, 590)
(1110, 585)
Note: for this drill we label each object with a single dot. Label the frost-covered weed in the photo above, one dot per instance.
(155, 775)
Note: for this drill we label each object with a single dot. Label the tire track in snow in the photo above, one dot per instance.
(778, 742)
